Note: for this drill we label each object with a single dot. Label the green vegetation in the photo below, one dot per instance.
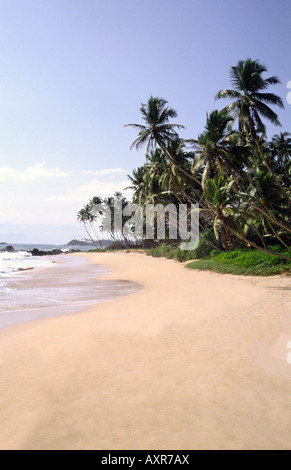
(240, 179)
(244, 262)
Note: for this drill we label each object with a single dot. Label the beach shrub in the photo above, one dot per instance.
(207, 241)
(244, 262)
(172, 252)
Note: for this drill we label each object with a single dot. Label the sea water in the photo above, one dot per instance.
(16, 262)
(67, 285)
(21, 259)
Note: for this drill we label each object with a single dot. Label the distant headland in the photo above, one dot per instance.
(80, 243)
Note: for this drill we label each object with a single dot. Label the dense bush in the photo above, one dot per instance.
(245, 261)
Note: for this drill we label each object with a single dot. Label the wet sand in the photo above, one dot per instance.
(194, 360)
(70, 285)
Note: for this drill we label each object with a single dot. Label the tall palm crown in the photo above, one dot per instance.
(280, 146)
(251, 102)
(137, 180)
(171, 179)
(216, 148)
(157, 130)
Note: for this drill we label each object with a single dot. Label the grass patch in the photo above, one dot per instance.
(95, 250)
(247, 262)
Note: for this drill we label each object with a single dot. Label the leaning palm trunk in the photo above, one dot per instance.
(96, 236)
(269, 217)
(259, 209)
(255, 138)
(254, 245)
(168, 155)
(90, 236)
(200, 225)
(248, 242)
(277, 236)
(252, 225)
(255, 230)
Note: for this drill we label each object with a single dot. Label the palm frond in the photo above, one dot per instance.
(228, 94)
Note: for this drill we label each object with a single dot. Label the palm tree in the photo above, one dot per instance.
(158, 130)
(251, 102)
(217, 149)
(280, 153)
(268, 196)
(95, 201)
(137, 180)
(86, 217)
(219, 198)
(281, 145)
(172, 179)
(226, 214)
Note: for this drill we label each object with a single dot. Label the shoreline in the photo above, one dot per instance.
(194, 360)
(66, 286)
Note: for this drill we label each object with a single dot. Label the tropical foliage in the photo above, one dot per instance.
(240, 180)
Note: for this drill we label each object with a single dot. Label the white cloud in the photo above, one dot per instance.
(109, 172)
(30, 173)
(50, 200)
(97, 187)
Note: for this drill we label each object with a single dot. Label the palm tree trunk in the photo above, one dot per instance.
(95, 233)
(257, 231)
(175, 164)
(276, 222)
(256, 207)
(89, 235)
(246, 241)
(277, 236)
(255, 138)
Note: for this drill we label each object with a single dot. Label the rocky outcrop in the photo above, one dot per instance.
(37, 252)
(9, 249)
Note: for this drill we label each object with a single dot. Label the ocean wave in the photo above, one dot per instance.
(15, 264)
(21, 261)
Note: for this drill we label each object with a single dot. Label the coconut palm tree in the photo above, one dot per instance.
(227, 213)
(217, 149)
(219, 197)
(157, 129)
(86, 217)
(95, 216)
(156, 115)
(280, 155)
(251, 103)
(268, 196)
(172, 179)
(137, 180)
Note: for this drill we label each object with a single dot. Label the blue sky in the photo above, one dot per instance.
(73, 72)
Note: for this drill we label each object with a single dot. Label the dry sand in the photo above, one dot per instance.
(195, 360)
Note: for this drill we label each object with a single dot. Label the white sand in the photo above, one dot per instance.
(195, 360)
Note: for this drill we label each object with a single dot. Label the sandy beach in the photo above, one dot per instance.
(194, 360)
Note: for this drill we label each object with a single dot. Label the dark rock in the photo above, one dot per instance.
(37, 252)
(55, 251)
(9, 249)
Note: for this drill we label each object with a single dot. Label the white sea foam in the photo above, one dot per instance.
(13, 263)
(20, 260)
